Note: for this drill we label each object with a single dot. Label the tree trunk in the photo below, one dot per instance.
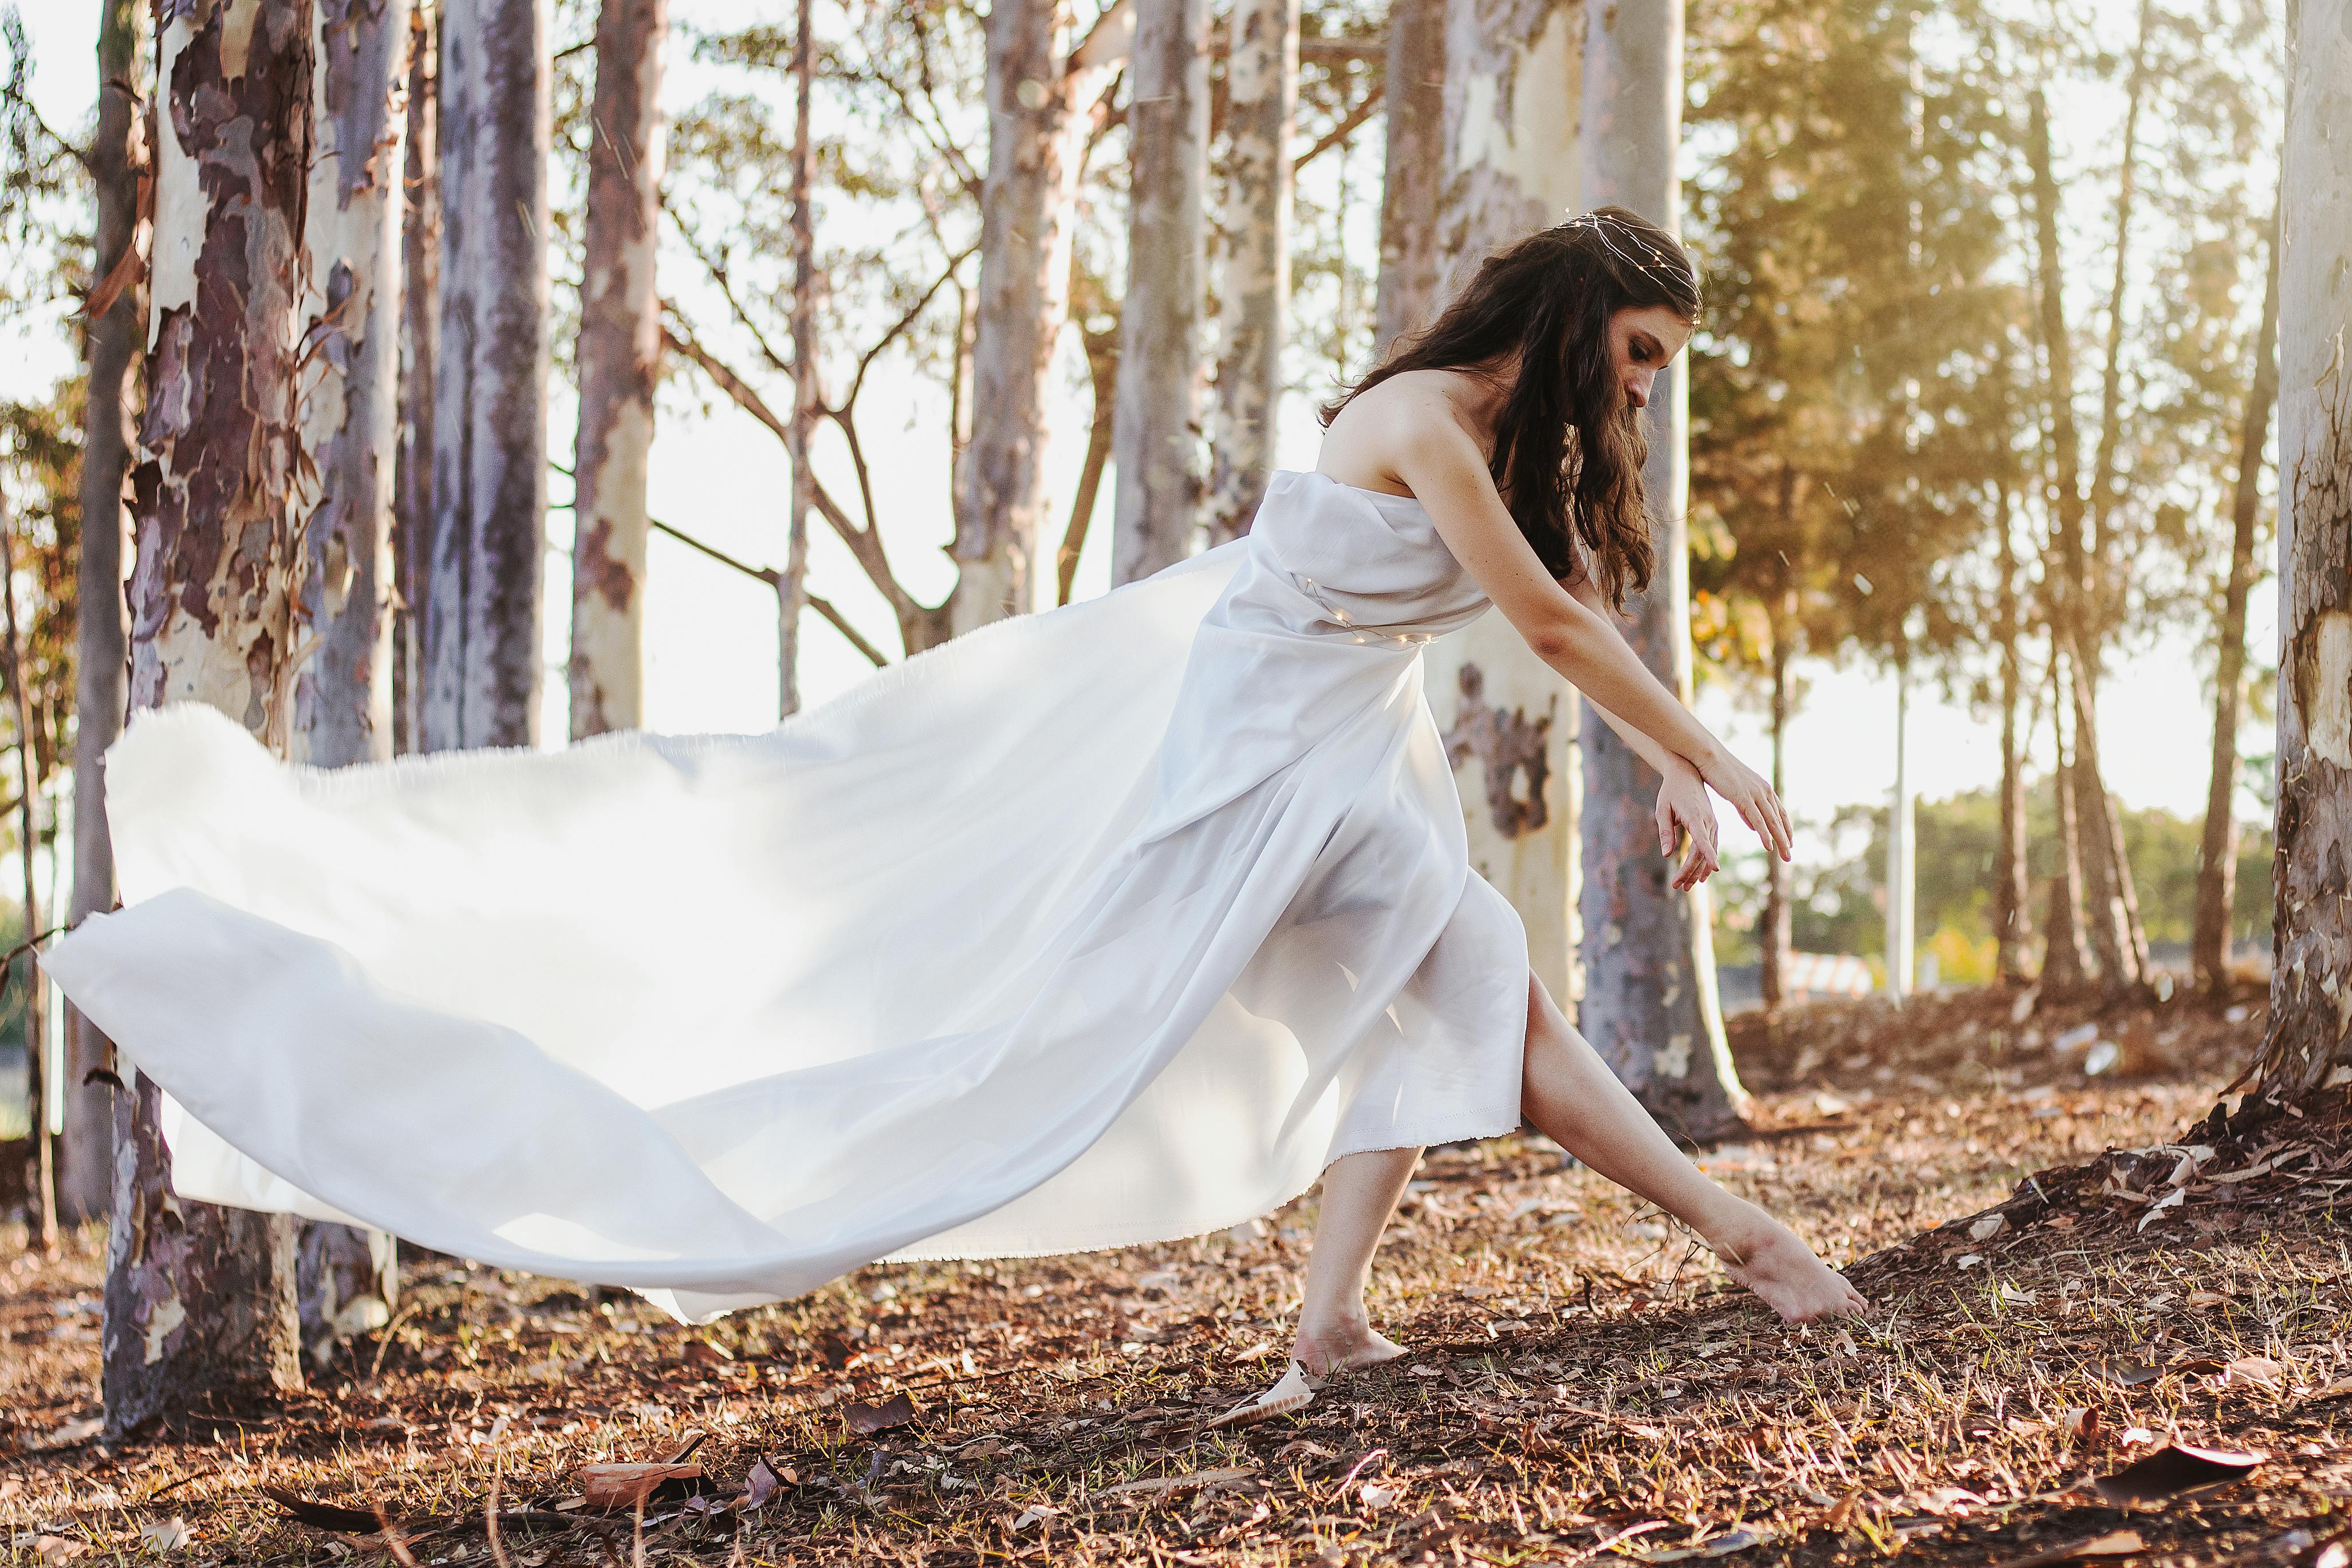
(199, 1298)
(1410, 268)
(792, 588)
(484, 605)
(2217, 864)
(2012, 920)
(420, 343)
(1040, 107)
(1773, 932)
(41, 1167)
(347, 1280)
(619, 348)
(1503, 163)
(117, 163)
(2312, 963)
(1156, 433)
(1254, 294)
(2065, 965)
(1649, 1002)
(1102, 376)
(2107, 871)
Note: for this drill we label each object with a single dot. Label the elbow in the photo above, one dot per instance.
(1556, 642)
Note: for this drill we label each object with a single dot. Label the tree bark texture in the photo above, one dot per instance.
(1040, 106)
(2012, 922)
(1410, 266)
(102, 636)
(2065, 960)
(420, 339)
(619, 351)
(199, 1298)
(792, 588)
(347, 1278)
(1254, 294)
(41, 1168)
(2311, 974)
(484, 605)
(1649, 1002)
(2106, 874)
(1156, 433)
(2217, 864)
(351, 407)
(1503, 163)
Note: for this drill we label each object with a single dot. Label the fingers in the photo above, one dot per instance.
(1665, 817)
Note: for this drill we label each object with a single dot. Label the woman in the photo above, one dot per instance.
(1088, 929)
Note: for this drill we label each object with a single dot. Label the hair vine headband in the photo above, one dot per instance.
(1602, 226)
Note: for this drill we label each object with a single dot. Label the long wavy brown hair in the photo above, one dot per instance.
(1549, 298)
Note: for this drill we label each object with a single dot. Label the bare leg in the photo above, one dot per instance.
(1360, 1194)
(1571, 1095)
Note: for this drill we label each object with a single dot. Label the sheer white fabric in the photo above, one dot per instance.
(1089, 929)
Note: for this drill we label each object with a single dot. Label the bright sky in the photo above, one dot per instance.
(712, 632)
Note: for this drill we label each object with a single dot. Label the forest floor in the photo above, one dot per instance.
(1582, 1386)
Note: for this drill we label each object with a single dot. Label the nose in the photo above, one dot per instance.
(1637, 391)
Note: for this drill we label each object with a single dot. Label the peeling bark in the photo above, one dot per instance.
(619, 350)
(1651, 1007)
(1504, 163)
(483, 609)
(1040, 107)
(2217, 868)
(199, 1298)
(420, 339)
(1254, 296)
(1156, 431)
(1415, 168)
(118, 159)
(2311, 975)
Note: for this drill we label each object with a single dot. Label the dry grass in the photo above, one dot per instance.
(1579, 1374)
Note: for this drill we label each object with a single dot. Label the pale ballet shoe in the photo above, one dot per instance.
(1295, 1392)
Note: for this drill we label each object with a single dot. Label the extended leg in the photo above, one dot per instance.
(1570, 1096)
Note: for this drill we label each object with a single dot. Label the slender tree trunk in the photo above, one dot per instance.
(420, 343)
(2217, 863)
(1649, 1002)
(1410, 266)
(1102, 375)
(792, 588)
(2066, 962)
(1254, 296)
(482, 616)
(1156, 436)
(199, 1298)
(1505, 162)
(2012, 920)
(2106, 872)
(2312, 964)
(117, 163)
(348, 1278)
(42, 1166)
(619, 351)
(1040, 107)
(1773, 936)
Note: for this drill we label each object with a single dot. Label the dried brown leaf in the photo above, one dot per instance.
(865, 1420)
(2174, 1471)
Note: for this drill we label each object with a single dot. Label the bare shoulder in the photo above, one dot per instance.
(1376, 435)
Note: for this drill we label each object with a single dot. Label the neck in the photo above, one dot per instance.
(1489, 389)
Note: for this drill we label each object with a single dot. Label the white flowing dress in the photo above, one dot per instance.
(1089, 929)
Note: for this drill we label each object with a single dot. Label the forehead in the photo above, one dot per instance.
(1657, 320)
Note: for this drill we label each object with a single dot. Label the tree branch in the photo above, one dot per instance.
(774, 578)
(1340, 133)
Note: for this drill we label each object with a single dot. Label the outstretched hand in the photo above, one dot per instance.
(1744, 789)
(1684, 808)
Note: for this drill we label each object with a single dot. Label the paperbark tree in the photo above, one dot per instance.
(41, 1218)
(199, 1298)
(1156, 433)
(2012, 923)
(117, 166)
(346, 1279)
(1254, 293)
(1649, 1002)
(1776, 930)
(2107, 871)
(1415, 179)
(2217, 863)
(2066, 958)
(484, 595)
(1041, 106)
(420, 340)
(792, 588)
(1505, 164)
(2313, 961)
(619, 347)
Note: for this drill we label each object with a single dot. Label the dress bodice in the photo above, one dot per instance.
(1336, 561)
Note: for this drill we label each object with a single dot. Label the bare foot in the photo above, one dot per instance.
(1767, 1256)
(1342, 1347)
